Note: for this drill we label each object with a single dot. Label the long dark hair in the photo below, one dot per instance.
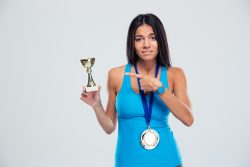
(163, 57)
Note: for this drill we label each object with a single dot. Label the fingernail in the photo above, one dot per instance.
(125, 73)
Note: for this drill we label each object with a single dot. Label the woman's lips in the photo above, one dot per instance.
(147, 52)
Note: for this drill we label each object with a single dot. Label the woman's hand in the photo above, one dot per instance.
(147, 83)
(91, 98)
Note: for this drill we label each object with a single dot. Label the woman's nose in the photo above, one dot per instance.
(146, 43)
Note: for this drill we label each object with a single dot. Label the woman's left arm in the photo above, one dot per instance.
(178, 102)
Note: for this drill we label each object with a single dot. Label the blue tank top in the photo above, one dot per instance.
(131, 124)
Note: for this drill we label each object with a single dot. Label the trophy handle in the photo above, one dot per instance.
(91, 82)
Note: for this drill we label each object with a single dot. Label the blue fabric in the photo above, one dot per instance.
(131, 124)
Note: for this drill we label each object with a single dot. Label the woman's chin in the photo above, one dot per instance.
(147, 57)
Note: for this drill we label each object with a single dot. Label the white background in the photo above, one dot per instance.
(43, 123)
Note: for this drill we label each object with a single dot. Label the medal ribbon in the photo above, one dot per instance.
(147, 108)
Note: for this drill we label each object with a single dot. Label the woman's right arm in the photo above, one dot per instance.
(108, 119)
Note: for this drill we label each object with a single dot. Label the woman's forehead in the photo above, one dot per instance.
(144, 29)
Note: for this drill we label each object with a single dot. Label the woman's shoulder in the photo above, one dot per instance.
(175, 70)
(115, 76)
(176, 73)
(117, 70)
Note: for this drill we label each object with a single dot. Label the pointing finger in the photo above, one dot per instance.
(134, 75)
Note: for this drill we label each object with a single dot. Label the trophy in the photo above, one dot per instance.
(88, 63)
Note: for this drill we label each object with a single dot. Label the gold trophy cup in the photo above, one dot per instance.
(88, 63)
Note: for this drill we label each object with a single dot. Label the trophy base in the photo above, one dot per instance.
(91, 89)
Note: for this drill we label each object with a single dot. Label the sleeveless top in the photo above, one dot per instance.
(131, 124)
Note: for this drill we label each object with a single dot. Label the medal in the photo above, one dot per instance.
(149, 137)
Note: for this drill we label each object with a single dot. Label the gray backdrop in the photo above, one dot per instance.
(43, 123)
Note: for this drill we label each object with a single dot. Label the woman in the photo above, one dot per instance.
(142, 93)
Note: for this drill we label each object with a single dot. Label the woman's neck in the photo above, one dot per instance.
(146, 67)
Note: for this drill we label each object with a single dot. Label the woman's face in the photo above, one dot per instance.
(146, 46)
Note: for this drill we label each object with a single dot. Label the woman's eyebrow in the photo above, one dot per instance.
(151, 34)
(138, 35)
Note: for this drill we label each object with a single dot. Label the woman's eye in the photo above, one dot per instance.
(138, 39)
(153, 38)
